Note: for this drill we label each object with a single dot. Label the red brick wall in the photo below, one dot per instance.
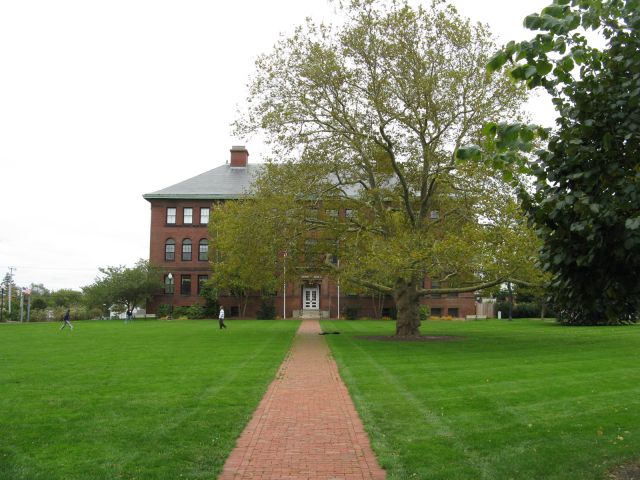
(161, 231)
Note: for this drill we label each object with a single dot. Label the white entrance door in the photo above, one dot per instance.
(310, 298)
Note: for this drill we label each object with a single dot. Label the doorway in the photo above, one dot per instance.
(310, 298)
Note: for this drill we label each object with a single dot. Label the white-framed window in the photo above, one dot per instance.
(171, 215)
(203, 249)
(170, 250)
(349, 213)
(187, 217)
(202, 279)
(186, 250)
(204, 215)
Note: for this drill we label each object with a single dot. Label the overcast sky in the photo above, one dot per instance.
(103, 101)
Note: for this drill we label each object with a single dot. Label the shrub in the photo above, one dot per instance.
(195, 312)
(390, 312)
(267, 309)
(425, 312)
(179, 312)
(163, 310)
(351, 313)
(521, 310)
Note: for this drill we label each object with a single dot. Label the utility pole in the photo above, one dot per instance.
(11, 269)
(21, 305)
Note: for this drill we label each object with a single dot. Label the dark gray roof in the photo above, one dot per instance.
(224, 182)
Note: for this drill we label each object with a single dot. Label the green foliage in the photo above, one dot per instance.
(587, 189)
(121, 288)
(211, 305)
(425, 313)
(364, 117)
(351, 313)
(180, 312)
(524, 310)
(65, 297)
(267, 309)
(195, 312)
(249, 247)
(163, 310)
(38, 303)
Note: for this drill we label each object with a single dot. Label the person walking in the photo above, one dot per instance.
(66, 320)
(129, 315)
(221, 319)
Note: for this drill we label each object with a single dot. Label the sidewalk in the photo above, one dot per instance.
(306, 426)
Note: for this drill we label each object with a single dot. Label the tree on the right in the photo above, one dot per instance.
(585, 203)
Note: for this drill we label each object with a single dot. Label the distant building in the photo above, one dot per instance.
(179, 244)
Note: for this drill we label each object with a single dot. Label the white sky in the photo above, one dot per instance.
(103, 101)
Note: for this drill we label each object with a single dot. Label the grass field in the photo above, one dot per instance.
(148, 400)
(509, 400)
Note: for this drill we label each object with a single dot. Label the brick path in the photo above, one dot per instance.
(306, 426)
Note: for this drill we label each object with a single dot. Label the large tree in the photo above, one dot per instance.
(586, 201)
(366, 116)
(122, 287)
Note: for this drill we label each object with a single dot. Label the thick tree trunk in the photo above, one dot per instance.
(408, 307)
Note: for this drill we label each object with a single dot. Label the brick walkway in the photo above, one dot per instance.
(306, 426)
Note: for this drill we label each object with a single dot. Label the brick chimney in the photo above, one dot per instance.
(239, 156)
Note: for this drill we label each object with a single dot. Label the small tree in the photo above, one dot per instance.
(124, 288)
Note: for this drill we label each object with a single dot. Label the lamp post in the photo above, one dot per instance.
(284, 286)
(170, 278)
(338, 291)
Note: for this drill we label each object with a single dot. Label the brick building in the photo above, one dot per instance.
(179, 244)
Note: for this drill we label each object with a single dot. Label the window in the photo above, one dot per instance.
(452, 295)
(170, 250)
(204, 216)
(171, 215)
(310, 248)
(168, 284)
(203, 250)
(453, 312)
(435, 284)
(332, 212)
(187, 216)
(349, 213)
(186, 250)
(185, 285)
(434, 214)
(202, 279)
(436, 312)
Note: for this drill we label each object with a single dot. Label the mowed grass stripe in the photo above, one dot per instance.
(409, 408)
(150, 399)
(522, 399)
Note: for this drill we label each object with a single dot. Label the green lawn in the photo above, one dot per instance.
(509, 400)
(148, 400)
